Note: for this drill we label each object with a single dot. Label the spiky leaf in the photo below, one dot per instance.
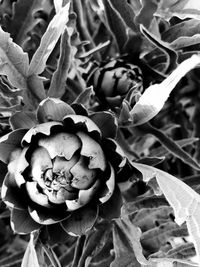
(13, 61)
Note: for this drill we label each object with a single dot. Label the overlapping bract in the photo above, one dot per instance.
(65, 167)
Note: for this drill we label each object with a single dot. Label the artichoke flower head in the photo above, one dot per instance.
(62, 172)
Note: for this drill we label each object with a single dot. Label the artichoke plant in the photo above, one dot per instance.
(67, 164)
(65, 127)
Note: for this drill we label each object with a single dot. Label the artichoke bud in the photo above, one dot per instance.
(115, 79)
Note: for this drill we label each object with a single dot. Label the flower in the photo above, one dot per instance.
(113, 80)
(63, 169)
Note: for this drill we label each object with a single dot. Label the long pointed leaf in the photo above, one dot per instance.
(49, 40)
(58, 82)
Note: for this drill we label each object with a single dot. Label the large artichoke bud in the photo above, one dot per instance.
(113, 80)
(63, 169)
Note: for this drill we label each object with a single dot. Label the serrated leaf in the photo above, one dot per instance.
(30, 257)
(183, 199)
(155, 96)
(13, 61)
(49, 40)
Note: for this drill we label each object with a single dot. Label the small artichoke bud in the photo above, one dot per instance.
(114, 80)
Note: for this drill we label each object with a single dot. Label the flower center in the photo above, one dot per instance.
(57, 180)
(64, 178)
(63, 165)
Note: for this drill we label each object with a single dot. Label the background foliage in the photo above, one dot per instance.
(57, 53)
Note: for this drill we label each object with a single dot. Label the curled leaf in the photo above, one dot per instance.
(155, 96)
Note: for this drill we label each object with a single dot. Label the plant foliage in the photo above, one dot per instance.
(99, 133)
